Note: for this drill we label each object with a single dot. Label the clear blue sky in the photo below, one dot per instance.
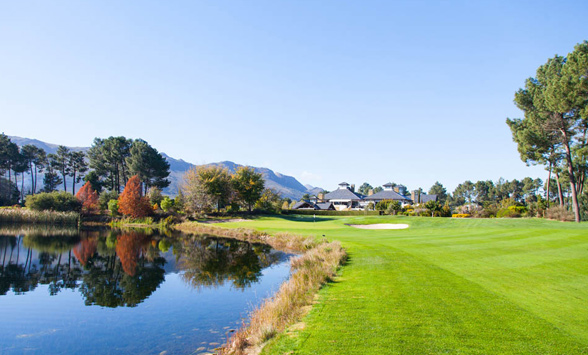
(326, 91)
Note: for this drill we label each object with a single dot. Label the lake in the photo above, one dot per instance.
(112, 291)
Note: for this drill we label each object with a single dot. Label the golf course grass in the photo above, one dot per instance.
(472, 286)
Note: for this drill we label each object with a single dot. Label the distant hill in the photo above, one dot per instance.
(286, 186)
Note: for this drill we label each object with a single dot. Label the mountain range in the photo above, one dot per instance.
(286, 186)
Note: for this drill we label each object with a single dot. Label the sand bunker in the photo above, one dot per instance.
(379, 226)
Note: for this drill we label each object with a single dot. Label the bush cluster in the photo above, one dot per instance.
(559, 213)
(53, 201)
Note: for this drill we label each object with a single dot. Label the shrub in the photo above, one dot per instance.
(54, 201)
(559, 213)
(382, 205)
(512, 212)
(507, 213)
(460, 215)
(487, 213)
(113, 207)
(167, 204)
(155, 196)
(105, 198)
(393, 207)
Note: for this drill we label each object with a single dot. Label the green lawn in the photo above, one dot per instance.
(452, 286)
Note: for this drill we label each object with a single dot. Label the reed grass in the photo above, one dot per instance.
(25, 215)
(310, 271)
(44, 231)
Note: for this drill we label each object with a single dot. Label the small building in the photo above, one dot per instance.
(344, 199)
(388, 193)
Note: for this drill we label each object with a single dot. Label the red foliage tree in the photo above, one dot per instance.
(85, 250)
(131, 203)
(129, 248)
(88, 197)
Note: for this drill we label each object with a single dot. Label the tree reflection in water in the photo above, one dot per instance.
(210, 262)
(121, 268)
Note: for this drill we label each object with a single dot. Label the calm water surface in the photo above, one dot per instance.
(99, 292)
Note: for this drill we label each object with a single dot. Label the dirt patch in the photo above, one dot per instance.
(379, 226)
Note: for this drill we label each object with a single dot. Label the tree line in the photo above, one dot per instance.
(108, 164)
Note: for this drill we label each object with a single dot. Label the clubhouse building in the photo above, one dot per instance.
(346, 199)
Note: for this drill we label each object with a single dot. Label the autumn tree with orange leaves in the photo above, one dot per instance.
(131, 202)
(88, 197)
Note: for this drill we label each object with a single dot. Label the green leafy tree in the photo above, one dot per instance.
(269, 201)
(465, 192)
(432, 207)
(105, 197)
(206, 188)
(8, 192)
(35, 159)
(113, 207)
(147, 163)
(248, 186)
(77, 167)
(108, 157)
(94, 179)
(365, 188)
(51, 179)
(439, 190)
(167, 204)
(61, 163)
(393, 207)
(556, 100)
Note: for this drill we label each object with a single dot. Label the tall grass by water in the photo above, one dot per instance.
(25, 215)
(314, 268)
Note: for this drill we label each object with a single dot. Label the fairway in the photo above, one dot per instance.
(475, 286)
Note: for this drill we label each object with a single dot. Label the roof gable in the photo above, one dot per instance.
(388, 195)
(343, 194)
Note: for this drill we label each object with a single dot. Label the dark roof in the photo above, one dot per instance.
(426, 198)
(343, 194)
(303, 204)
(387, 195)
(388, 184)
(325, 206)
(343, 183)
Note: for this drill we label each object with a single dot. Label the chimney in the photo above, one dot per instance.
(370, 192)
(352, 188)
(397, 189)
(321, 196)
(416, 197)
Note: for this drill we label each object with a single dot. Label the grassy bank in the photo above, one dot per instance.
(317, 265)
(445, 286)
(24, 215)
